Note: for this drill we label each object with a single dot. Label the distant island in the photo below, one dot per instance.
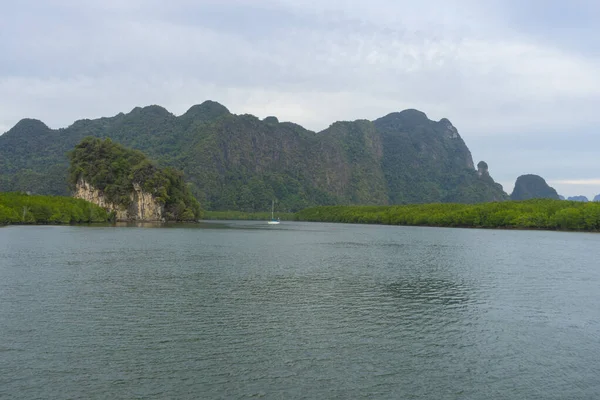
(533, 187)
(578, 198)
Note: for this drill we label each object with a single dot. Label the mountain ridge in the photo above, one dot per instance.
(217, 109)
(241, 162)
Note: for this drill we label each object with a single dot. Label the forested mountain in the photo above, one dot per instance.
(239, 162)
(533, 187)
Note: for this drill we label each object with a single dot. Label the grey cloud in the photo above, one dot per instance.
(477, 63)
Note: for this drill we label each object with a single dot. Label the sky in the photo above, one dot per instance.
(519, 79)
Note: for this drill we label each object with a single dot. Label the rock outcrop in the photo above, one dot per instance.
(483, 169)
(143, 205)
(532, 187)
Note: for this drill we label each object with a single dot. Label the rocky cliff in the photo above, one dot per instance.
(128, 183)
(143, 205)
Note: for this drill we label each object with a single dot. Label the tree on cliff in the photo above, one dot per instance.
(115, 170)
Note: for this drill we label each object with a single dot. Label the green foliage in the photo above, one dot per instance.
(20, 208)
(115, 170)
(529, 214)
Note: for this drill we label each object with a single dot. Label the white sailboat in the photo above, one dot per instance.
(273, 221)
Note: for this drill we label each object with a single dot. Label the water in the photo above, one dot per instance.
(242, 309)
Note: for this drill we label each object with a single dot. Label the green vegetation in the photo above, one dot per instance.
(20, 208)
(242, 216)
(114, 170)
(529, 214)
(238, 162)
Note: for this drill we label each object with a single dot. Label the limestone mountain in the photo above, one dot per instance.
(583, 199)
(532, 187)
(240, 162)
(597, 197)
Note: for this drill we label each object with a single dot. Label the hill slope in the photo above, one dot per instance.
(239, 162)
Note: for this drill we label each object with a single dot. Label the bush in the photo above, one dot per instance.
(20, 208)
(529, 214)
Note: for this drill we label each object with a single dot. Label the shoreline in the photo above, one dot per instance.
(159, 224)
(536, 214)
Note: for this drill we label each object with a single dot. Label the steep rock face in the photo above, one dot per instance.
(143, 206)
(532, 187)
(484, 188)
(85, 191)
(351, 170)
(427, 161)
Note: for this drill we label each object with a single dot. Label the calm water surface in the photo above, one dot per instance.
(299, 310)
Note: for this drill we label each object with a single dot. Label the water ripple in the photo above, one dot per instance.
(306, 311)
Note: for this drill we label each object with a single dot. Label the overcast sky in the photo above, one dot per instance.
(520, 79)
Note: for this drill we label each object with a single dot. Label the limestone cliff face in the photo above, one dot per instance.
(143, 206)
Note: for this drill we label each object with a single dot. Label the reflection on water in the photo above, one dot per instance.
(429, 291)
(235, 310)
(178, 225)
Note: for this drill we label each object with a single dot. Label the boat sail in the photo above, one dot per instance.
(273, 221)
